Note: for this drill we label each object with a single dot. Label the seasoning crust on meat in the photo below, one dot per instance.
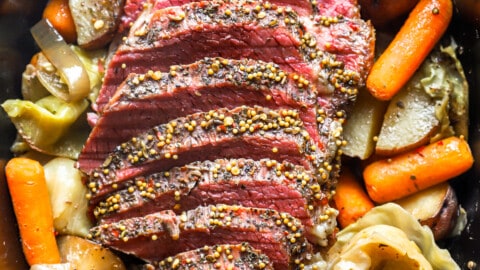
(219, 125)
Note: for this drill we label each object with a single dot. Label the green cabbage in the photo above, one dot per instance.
(47, 125)
(364, 234)
(442, 77)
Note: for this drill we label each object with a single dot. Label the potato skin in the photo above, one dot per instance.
(96, 22)
(383, 12)
(443, 223)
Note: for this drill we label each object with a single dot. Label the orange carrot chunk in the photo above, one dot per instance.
(31, 204)
(423, 28)
(59, 15)
(350, 199)
(394, 178)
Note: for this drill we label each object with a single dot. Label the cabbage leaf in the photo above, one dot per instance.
(46, 125)
(367, 231)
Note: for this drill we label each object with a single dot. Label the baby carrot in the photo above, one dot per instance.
(31, 204)
(350, 199)
(421, 31)
(402, 175)
(58, 14)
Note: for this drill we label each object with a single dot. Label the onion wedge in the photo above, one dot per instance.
(68, 64)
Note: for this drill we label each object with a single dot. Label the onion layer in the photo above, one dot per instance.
(68, 64)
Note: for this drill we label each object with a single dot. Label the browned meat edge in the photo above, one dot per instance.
(147, 99)
(318, 50)
(154, 98)
(281, 186)
(157, 236)
(234, 257)
(244, 132)
(330, 8)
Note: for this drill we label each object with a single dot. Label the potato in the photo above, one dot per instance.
(437, 207)
(363, 124)
(82, 254)
(410, 121)
(95, 21)
(443, 224)
(431, 106)
(67, 195)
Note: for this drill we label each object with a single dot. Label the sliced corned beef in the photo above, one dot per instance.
(281, 186)
(328, 8)
(232, 257)
(333, 52)
(244, 132)
(155, 98)
(157, 236)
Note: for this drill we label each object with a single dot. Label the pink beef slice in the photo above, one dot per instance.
(281, 186)
(330, 8)
(317, 48)
(159, 235)
(243, 132)
(236, 257)
(155, 98)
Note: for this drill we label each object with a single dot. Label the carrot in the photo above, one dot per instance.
(350, 199)
(394, 178)
(31, 204)
(421, 31)
(10, 248)
(57, 12)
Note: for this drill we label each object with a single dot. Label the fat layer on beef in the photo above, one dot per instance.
(157, 236)
(334, 53)
(244, 132)
(232, 257)
(155, 98)
(281, 186)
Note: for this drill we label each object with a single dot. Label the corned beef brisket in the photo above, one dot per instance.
(265, 183)
(244, 132)
(146, 99)
(159, 235)
(315, 48)
(240, 256)
(219, 127)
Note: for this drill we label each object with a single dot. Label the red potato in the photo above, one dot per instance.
(437, 207)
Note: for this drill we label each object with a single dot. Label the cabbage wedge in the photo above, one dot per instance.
(43, 125)
(385, 238)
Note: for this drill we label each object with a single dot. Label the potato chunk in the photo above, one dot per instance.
(82, 254)
(363, 125)
(95, 21)
(409, 122)
(67, 195)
